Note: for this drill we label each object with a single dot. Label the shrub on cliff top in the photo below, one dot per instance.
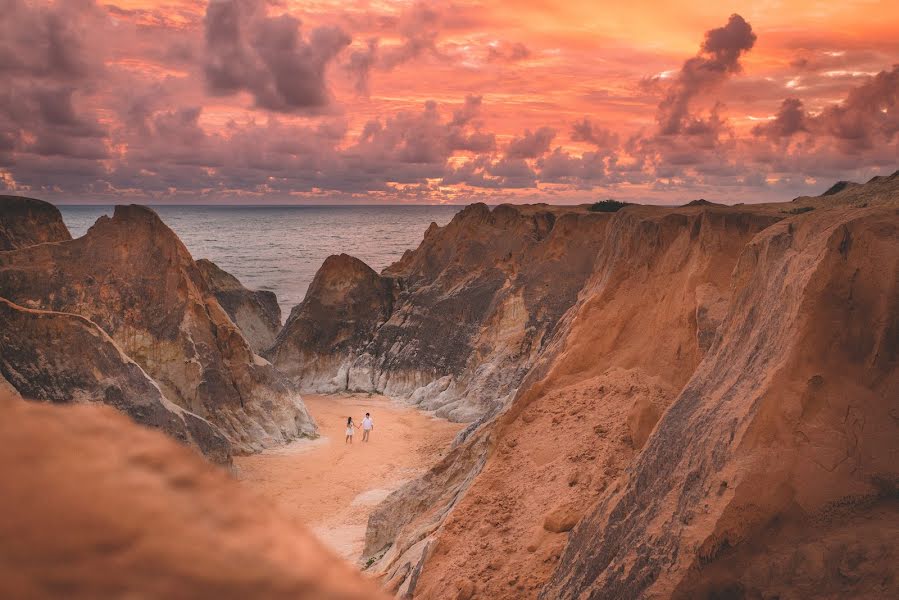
(607, 206)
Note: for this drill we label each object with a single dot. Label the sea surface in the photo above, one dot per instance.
(280, 248)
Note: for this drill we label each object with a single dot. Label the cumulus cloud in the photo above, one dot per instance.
(247, 50)
(531, 144)
(718, 58)
(790, 119)
(586, 131)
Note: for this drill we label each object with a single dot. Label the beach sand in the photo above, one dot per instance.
(331, 486)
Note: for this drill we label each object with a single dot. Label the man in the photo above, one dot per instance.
(367, 426)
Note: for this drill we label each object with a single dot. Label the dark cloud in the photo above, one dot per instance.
(868, 115)
(719, 57)
(268, 56)
(586, 131)
(531, 144)
(790, 119)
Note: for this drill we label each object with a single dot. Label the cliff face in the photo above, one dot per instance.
(455, 324)
(714, 416)
(135, 279)
(640, 327)
(344, 306)
(26, 222)
(773, 473)
(37, 359)
(101, 508)
(255, 312)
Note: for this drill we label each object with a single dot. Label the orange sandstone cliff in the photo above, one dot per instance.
(706, 406)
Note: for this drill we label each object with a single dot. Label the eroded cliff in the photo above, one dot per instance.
(456, 323)
(703, 345)
(134, 278)
(37, 359)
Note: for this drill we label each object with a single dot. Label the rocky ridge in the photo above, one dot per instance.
(36, 359)
(133, 277)
(624, 461)
(455, 324)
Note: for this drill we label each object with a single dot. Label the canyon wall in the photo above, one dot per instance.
(37, 360)
(98, 507)
(132, 276)
(455, 324)
(705, 407)
(774, 471)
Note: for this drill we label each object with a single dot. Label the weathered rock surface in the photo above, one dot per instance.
(134, 278)
(255, 312)
(717, 409)
(622, 354)
(26, 222)
(344, 306)
(37, 359)
(773, 473)
(96, 507)
(467, 312)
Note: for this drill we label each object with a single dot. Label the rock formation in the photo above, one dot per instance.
(344, 306)
(773, 473)
(255, 312)
(37, 359)
(134, 278)
(99, 508)
(455, 324)
(26, 222)
(714, 416)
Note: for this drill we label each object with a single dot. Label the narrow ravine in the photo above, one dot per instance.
(332, 486)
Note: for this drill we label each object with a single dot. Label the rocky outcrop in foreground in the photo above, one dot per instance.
(456, 324)
(100, 508)
(255, 312)
(132, 276)
(37, 359)
(26, 222)
(714, 416)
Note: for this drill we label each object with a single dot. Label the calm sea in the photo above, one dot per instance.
(281, 248)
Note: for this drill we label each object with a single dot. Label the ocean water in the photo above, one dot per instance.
(280, 248)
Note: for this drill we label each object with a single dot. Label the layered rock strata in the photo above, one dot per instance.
(714, 416)
(64, 358)
(134, 278)
(455, 324)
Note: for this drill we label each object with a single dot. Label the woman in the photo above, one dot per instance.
(349, 430)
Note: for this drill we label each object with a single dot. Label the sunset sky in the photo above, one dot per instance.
(321, 101)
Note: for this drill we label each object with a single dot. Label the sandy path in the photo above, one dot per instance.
(332, 486)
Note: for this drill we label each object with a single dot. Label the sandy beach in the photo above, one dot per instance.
(332, 486)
